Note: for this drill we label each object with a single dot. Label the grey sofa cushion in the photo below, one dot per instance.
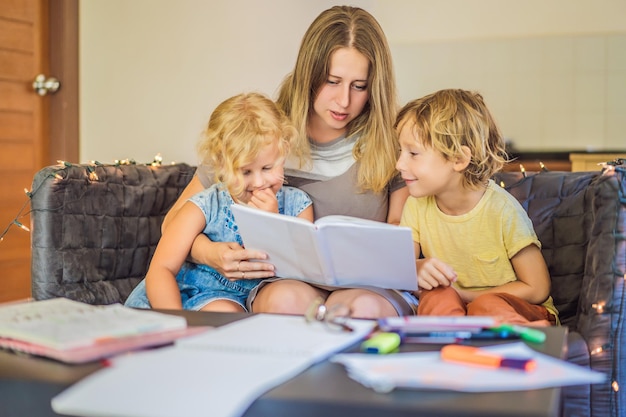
(580, 218)
(93, 239)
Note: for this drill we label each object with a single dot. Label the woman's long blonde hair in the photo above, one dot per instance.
(347, 27)
(238, 129)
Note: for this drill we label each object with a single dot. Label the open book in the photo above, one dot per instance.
(75, 332)
(335, 250)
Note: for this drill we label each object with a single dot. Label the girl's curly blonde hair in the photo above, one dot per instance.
(238, 129)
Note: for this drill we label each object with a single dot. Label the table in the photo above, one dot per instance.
(27, 384)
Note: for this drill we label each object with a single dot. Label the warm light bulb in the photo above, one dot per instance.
(158, 160)
(615, 386)
(92, 173)
(599, 307)
(597, 350)
(64, 163)
(21, 226)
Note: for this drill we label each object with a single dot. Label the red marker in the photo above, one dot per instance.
(477, 356)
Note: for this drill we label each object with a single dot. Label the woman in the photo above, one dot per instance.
(341, 96)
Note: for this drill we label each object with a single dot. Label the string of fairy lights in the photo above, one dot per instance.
(91, 174)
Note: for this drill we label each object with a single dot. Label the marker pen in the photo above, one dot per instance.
(381, 343)
(476, 356)
(487, 334)
(527, 334)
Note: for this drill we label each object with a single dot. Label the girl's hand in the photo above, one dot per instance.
(265, 200)
(235, 262)
(432, 273)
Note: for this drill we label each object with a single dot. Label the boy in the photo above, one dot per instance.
(476, 249)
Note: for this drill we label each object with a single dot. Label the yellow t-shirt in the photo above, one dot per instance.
(478, 244)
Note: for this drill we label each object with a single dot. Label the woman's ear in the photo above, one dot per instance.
(461, 162)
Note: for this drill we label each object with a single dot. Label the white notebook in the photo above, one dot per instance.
(218, 373)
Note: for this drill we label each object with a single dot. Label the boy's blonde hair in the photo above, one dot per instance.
(238, 129)
(449, 119)
(336, 28)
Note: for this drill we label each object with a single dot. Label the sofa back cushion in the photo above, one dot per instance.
(95, 228)
(575, 215)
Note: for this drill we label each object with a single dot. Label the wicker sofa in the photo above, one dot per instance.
(95, 228)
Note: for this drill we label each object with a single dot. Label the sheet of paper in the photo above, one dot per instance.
(218, 373)
(426, 370)
(174, 382)
(282, 335)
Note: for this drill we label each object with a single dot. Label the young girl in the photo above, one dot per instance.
(246, 142)
(477, 251)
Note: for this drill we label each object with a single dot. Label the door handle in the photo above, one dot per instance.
(43, 85)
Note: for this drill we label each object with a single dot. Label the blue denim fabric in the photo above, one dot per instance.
(199, 285)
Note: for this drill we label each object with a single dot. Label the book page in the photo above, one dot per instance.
(347, 220)
(377, 254)
(289, 242)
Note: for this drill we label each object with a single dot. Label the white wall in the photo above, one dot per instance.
(553, 72)
(152, 71)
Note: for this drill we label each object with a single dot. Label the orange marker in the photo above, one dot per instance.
(477, 356)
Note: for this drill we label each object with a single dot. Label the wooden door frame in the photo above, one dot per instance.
(63, 116)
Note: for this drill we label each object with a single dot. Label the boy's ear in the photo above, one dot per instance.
(461, 162)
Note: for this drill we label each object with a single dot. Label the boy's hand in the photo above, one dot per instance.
(432, 273)
(264, 200)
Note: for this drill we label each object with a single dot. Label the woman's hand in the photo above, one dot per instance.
(235, 262)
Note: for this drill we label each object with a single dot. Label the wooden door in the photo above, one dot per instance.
(29, 138)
